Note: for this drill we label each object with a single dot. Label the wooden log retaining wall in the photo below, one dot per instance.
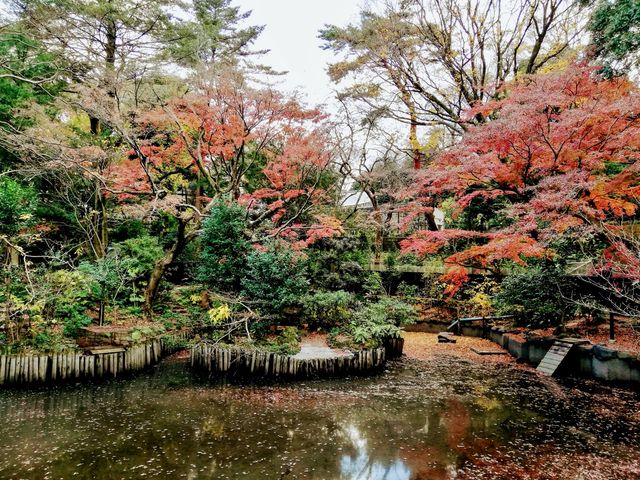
(246, 363)
(61, 367)
(394, 347)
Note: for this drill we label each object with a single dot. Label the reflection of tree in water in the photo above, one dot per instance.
(363, 466)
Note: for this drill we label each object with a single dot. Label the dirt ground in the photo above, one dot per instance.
(425, 346)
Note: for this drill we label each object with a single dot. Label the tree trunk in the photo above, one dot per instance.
(413, 140)
(100, 225)
(153, 286)
(101, 313)
(378, 245)
(151, 290)
(431, 221)
(13, 256)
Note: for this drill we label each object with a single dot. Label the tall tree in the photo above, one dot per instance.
(116, 52)
(615, 31)
(374, 167)
(214, 36)
(425, 62)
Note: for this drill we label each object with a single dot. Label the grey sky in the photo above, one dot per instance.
(291, 34)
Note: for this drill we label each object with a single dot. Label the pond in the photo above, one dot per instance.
(443, 419)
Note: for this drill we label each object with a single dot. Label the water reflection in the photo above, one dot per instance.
(362, 466)
(409, 424)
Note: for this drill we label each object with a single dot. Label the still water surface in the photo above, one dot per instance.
(439, 420)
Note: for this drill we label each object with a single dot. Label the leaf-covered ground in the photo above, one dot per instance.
(425, 346)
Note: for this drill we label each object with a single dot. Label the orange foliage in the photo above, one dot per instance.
(217, 139)
(560, 150)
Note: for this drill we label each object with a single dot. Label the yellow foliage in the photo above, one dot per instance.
(219, 314)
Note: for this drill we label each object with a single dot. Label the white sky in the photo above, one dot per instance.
(291, 33)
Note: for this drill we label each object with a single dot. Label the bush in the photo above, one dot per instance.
(378, 321)
(327, 309)
(114, 278)
(69, 299)
(390, 310)
(139, 255)
(340, 263)
(225, 248)
(287, 343)
(476, 299)
(17, 206)
(535, 297)
(274, 279)
(130, 228)
(408, 291)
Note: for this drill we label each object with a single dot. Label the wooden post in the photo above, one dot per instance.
(612, 332)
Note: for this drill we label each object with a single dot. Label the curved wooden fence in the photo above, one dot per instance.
(61, 367)
(241, 362)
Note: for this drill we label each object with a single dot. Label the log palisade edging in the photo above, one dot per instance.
(76, 366)
(246, 363)
(393, 347)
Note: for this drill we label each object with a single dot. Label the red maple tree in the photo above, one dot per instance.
(559, 151)
(254, 146)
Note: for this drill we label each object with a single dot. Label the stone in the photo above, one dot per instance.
(446, 337)
(600, 369)
(604, 353)
(618, 370)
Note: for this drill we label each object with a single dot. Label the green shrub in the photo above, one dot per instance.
(69, 298)
(408, 291)
(327, 309)
(377, 321)
(73, 318)
(535, 297)
(275, 279)
(340, 263)
(390, 310)
(287, 343)
(119, 276)
(373, 287)
(17, 206)
(225, 248)
(139, 255)
(129, 228)
(173, 342)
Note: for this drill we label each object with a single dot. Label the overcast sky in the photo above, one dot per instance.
(291, 33)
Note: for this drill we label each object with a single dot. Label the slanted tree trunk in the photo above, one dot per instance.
(153, 286)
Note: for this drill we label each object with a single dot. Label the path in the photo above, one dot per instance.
(315, 346)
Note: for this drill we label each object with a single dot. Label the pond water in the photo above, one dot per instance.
(443, 419)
